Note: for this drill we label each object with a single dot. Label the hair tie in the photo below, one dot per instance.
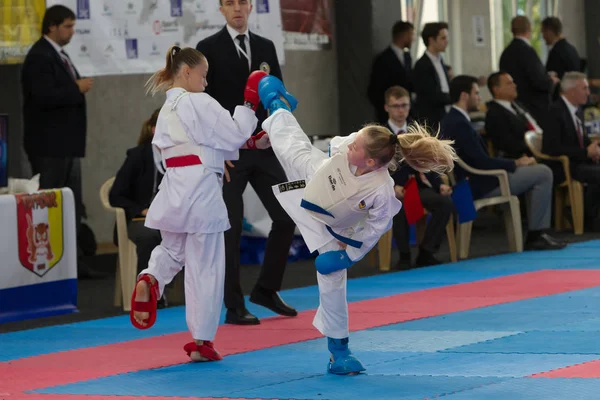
(175, 50)
(394, 139)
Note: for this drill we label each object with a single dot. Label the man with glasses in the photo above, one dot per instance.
(434, 194)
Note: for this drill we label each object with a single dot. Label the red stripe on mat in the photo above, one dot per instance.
(84, 364)
(590, 369)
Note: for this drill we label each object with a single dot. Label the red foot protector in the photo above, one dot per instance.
(207, 351)
(145, 306)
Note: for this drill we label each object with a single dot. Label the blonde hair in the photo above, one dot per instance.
(146, 133)
(176, 57)
(418, 148)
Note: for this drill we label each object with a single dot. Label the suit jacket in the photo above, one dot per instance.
(563, 57)
(560, 136)
(431, 102)
(136, 182)
(54, 110)
(534, 85)
(506, 130)
(471, 149)
(387, 71)
(404, 171)
(226, 75)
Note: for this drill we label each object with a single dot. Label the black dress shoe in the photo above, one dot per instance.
(544, 241)
(404, 263)
(426, 259)
(271, 300)
(240, 316)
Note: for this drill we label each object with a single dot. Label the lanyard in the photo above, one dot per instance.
(242, 51)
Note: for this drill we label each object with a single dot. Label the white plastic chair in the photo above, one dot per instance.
(126, 274)
(512, 217)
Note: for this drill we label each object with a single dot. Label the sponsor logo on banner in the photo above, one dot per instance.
(131, 48)
(109, 50)
(262, 6)
(165, 26)
(176, 10)
(83, 9)
(106, 10)
(83, 51)
(130, 8)
(199, 9)
(83, 31)
(40, 230)
(155, 51)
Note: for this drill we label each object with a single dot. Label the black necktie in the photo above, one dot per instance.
(407, 61)
(243, 56)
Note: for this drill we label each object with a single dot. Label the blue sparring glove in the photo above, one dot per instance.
(332, 261)
(270, 89)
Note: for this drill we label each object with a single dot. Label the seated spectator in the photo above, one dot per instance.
(134, 188)
(506, 120)
(524, 175)
(434, 194)
(565, 135)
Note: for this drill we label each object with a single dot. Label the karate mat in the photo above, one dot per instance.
(516, 326)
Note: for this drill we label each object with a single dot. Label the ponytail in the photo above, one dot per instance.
(162, 79)
(417, 148)
(424, 152)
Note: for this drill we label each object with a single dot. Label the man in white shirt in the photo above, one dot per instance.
(524, 175)
(506, 121)
(232, 54)
(430, 76)
(566, 135)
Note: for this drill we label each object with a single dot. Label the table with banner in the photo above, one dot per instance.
(38, 272)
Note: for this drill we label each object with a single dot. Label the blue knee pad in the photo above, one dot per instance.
(270, 89)
(344, 362)
(332, 261)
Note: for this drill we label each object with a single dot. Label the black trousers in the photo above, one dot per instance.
(58, 172)
(590, 174)
(440, 207)
(262, 170)
(145, 240)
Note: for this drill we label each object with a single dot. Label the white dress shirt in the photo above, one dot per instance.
(509, 106)
(399, 54)
(463, 112)
(437, 63)
(234, 34)
(62, 55)
(576, 121)
(396, 128)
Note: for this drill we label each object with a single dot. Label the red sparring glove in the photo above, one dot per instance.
(255, 141)
(251, 98)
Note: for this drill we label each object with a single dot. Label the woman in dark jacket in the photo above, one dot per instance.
(134, 188)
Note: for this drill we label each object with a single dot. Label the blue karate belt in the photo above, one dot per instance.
(320, 210)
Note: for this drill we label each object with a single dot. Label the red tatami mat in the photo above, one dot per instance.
(83, 364)
(585, 370)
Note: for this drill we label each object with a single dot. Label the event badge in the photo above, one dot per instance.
(265, 67)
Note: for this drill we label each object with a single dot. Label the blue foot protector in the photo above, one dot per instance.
(332, 261)
(270, 89)
(344, 363)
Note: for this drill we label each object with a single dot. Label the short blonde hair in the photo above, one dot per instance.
(418, 148)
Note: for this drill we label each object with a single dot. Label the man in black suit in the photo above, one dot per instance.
(566, 135)
(392, 67)
(430, 77)
(521, 61)
(232, 53)
(563, 56)
(524, 175)
(506, 121)
(435, 196)
(54, 109)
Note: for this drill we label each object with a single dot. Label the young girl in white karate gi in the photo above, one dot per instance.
(343, 202)
(195, 136)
